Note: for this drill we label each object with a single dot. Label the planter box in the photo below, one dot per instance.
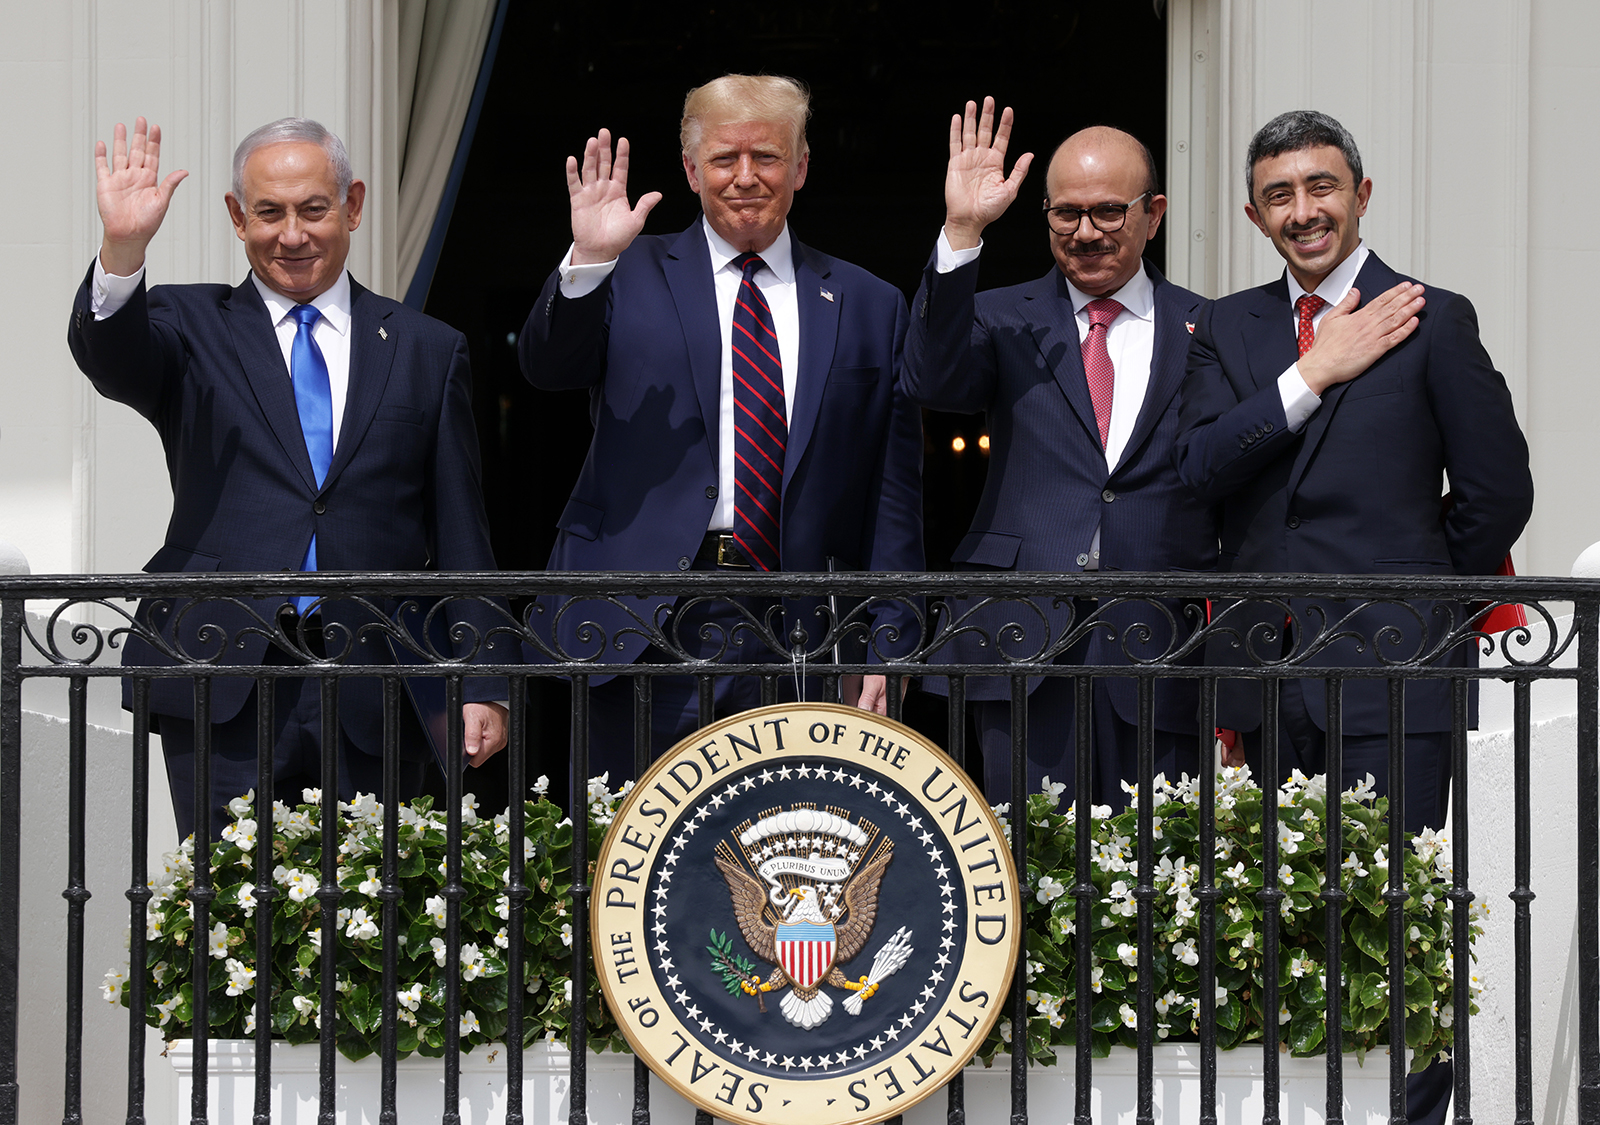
(1051, 1093)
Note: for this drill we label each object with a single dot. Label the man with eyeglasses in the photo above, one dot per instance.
(1325, 412)
(1078, 373)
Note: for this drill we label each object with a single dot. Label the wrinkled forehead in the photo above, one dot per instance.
(1300, 166)
(289, 172)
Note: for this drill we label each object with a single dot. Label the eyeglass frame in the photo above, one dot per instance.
(1088, 212)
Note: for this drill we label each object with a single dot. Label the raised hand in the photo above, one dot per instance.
(977, 190)
(133, 199)
(603, 225)
(1350, 340)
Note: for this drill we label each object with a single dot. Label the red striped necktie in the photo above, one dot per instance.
(760, 426)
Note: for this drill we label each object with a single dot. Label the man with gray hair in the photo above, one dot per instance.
(744, 403)
(1324, 412)
(309, 424)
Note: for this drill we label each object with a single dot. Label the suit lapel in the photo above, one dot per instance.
(819, 331)
(1055, 331)
(371, 359)
(1168, 360)
(250, 326)
(1374, 278)
(687, 267)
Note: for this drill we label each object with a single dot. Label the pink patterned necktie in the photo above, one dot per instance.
(1097, 361)
(1307, 306)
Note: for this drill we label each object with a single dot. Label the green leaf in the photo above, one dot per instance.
(1307, 1029)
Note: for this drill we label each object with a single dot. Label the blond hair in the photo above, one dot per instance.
(737, 98)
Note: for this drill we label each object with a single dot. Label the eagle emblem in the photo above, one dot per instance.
(804, 885)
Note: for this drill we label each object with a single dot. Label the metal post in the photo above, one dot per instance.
(77, 896)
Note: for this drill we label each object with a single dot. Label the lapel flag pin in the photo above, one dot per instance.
(826, 296)
(385, 335)
(1189, 324)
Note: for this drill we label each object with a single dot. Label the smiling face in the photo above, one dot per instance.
(1102, 165)
(295, 228)
(1309, 204)
(746, 174)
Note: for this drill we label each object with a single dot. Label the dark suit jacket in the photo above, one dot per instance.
(1357, 491)
(201, 362)
(1015, 353)
(647, 346)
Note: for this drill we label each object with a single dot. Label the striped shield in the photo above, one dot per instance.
(805, 950)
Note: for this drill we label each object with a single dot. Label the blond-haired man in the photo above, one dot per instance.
(744, 403)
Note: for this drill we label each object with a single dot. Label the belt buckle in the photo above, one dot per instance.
(728, 553)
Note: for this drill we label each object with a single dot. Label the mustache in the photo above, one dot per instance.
(1105, 246)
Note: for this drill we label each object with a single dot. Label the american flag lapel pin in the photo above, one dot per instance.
(826, 296)
(385, 335)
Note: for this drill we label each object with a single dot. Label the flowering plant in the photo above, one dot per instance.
(296, 963)
(1303, 957)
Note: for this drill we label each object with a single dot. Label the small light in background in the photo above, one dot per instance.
(983, 442)
(958, 443)
(511, 339)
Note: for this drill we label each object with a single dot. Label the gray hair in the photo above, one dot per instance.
(1296, 130)
(293, 129)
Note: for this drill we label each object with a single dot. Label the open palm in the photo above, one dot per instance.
(603, 225)
(977, 190)
(132, 197)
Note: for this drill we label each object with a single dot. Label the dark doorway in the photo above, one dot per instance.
(885, 78)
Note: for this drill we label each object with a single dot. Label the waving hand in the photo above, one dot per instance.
(603, 225)
(977, 190)
(133, 199)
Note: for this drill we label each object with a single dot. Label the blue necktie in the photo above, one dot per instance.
(760, 427)
(313, 397)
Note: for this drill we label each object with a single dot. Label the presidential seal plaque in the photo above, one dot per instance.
(805, 914)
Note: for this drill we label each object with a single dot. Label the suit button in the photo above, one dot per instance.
(1108, 496)
(711, 492)
(1244, 443)
(1083, 559)
(1294, 521)
(319, 507)
(1268, 427)
(683, 563)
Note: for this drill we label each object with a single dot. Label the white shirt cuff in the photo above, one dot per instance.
(109, 292)
(1299, 402)
(580, 281)
(947, 258)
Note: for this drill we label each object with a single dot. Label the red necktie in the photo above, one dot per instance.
(760, 425)
(1097, 361)
(1307, 307)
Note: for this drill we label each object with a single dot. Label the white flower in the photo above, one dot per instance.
(473, 965)
(1221, 996)
(1285, 874)
(411, 998)
(540, 787)
(1352, 864)
(502, 939)
(240, 977)
(502, 905)
(219, 940)
(111, 989)
(166, 1008)
(469, 814)
(1053, 788)
(371, 885)
(247, 899)
(315, 938)
(1185, 952)
(469, 1022)
(566, 990)
(1128, 954)
(1283, 1014)
(435, 906)
(1288, 838)
(1364, 790)
(1300, 966)
(1095, 978)
(1447, 1015)
(362, 926)
(534, 984)
(241, 834)
(307, 1007)
(1050, 889)
(1380, 858)
(152, 926)
(241, 806)
(1129, 1016)
(301, 884)
(250, 1021)
(1005, 1030)
(438, 951)
(311, 796)
(566, 933)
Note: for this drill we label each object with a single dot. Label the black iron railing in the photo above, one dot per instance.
(836, 626)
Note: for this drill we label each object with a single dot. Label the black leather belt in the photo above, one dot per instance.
(719, 548)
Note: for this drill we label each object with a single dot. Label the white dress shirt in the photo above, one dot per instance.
(1299, 402)
(1130, 341)
(109, 292)
(776, 283)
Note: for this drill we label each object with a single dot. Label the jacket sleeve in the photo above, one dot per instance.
(1228, 430)
(949, 364)
(894, 516)
(1485, 453)
(135, 356)
(563, 345)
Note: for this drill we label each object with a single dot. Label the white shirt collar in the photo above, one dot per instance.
(1138, 296)
(779, 257)
(1339, 279)
(333, 304)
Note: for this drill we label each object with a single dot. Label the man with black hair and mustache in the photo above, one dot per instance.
(1325, 413)
(1078, 372)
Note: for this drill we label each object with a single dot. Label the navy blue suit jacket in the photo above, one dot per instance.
(1015, 353)
(202, 364)
(1358, 490)
(647, 345)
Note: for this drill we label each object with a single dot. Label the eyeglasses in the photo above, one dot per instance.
(1107, 218)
